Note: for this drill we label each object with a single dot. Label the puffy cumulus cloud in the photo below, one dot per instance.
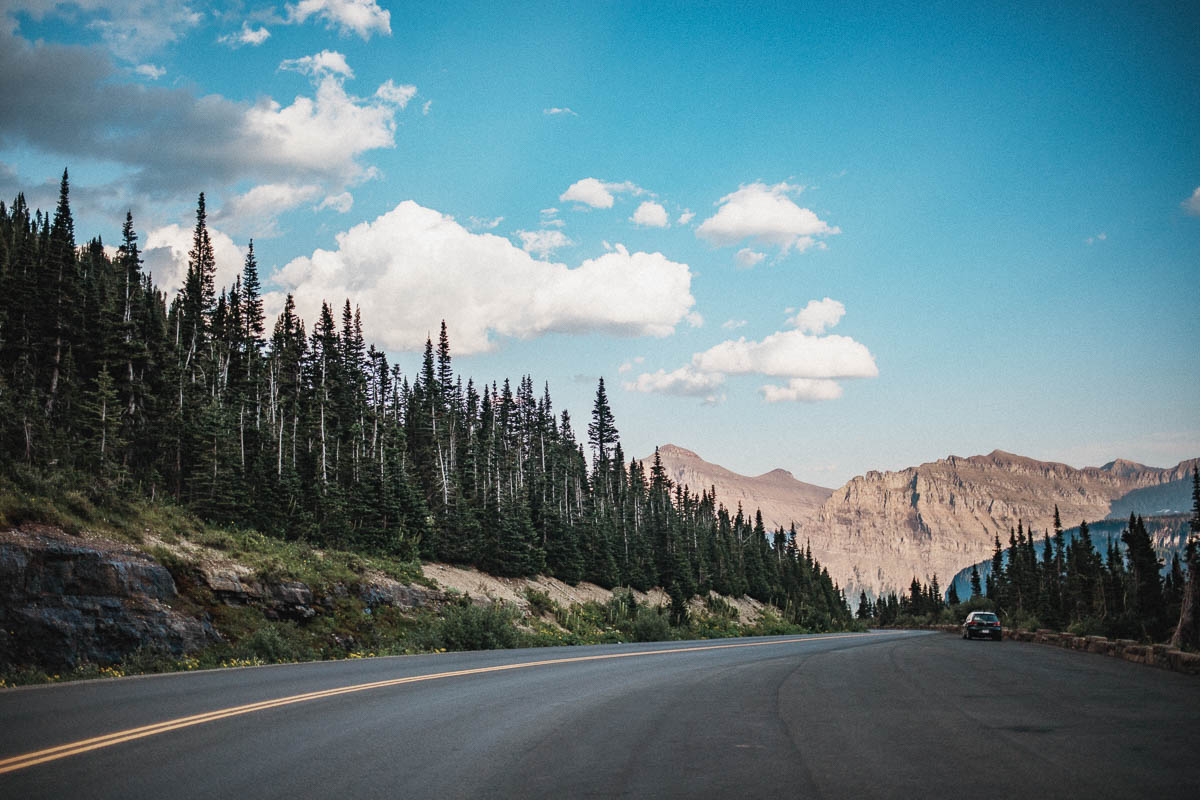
(790, 354)
(767, 215)
(811, 363)
(596, 193)
(733, 324)
(1192, 204)
(686, 217)
(804, 390)
(544, 242)
(246, 36)
(341, 203)
(588, 191)
(256, 210)
(650, 215)
(326, 62)
(818, 315)
(165, 251)
(747, 258)
(363, 17)
(413, 267)
(166, 137)
(683, 382)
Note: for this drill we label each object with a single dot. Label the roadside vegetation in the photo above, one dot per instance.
(344, 626)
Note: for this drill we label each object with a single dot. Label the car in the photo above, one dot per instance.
(982, 623)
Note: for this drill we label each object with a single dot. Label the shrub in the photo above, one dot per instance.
(471, 627)
(651, 626)
(539, 602)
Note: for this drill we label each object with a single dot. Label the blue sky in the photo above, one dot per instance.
(819, 237)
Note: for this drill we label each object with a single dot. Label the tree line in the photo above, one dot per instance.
(1068, 583)
(311, 434)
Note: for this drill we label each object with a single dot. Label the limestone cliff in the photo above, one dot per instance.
(882, 529)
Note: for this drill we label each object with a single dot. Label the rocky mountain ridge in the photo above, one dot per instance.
(881, 529)
(781, 498)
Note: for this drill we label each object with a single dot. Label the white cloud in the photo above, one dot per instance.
(151, 71)
(553, 112)
(397, 95)
(686, 217)
(790, 354)
(747, 258)
(425, 108)
(362, 17)
(484, 223)
(341, 203)
(548, 212)
(413, 267)
(819, 315)
(767, 215)
(684, 382)
(588, 191)
(247, 35)
(695, 319)
(1099, 237)
(650, 214)
(811, 363)
(596, 193)
(544, 242)
(733, 324)
(326, 62)
(166, 255)
(806, 390)
(1192, 204)
(256, 210)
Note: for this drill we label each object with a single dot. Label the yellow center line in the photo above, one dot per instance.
(14, 763)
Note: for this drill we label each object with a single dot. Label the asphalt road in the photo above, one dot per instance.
(905, 714)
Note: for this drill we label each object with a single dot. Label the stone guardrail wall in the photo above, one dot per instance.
(1155, 655)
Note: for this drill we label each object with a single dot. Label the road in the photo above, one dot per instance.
(887, 714)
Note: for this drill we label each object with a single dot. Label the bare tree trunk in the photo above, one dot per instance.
(1187, 632)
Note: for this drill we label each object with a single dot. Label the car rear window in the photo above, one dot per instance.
(986, 617)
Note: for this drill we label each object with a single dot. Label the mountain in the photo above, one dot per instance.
(880, 530)
(884, 528)
(781, 498)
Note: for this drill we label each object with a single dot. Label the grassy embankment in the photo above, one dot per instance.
(344, 626)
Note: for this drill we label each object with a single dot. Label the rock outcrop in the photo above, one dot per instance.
(65, 601)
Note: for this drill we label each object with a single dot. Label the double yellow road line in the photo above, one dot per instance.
(14, 763)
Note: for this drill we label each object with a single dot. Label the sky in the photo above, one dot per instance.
(827, 238)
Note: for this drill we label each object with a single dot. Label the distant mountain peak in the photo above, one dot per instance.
(678, 451)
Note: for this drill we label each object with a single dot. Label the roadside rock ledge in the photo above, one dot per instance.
(66, 601)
